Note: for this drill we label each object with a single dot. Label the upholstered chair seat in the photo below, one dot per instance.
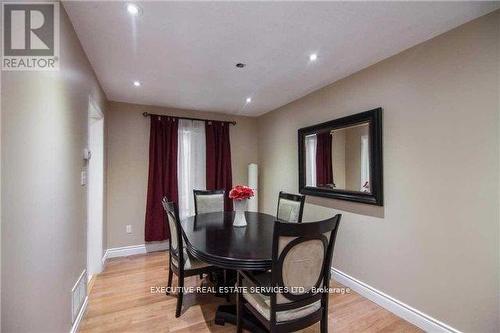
(262, 302)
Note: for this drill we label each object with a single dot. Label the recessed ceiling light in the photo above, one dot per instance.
(133, 9)
(313, 57)
(137, 83)
(249, 99)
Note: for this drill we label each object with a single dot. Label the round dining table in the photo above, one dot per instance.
(212, 238)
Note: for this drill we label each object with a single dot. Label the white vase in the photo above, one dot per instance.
(240, 206)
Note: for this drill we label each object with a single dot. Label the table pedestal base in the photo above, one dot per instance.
(227, 314)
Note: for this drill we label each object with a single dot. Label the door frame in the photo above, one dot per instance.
(95, 189)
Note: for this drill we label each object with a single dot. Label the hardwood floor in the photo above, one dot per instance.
(121, 300)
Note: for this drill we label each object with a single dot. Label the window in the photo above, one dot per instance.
(191, 163)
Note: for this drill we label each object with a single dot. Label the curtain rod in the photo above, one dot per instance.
(147, 114)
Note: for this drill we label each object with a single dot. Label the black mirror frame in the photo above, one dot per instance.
(376, 197)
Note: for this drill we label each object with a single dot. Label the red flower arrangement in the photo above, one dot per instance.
(241, 192)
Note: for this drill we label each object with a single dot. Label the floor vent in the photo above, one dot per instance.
(78, 294)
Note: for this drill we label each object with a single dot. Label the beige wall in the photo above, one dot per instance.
(128, 151)
(435, 243)
(44, 132)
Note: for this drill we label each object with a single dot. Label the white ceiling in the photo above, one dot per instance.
(184, 53)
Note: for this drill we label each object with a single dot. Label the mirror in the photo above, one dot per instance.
(342, 158)
(339, 159)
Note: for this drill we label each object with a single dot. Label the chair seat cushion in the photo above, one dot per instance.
(190, 262)
(262, 303)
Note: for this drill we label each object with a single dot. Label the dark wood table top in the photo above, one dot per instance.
(212, 238)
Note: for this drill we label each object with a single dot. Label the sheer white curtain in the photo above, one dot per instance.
(191, 167)
(310, 142)
(365, 165)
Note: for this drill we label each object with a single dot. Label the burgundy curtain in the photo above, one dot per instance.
(219, 173)
(324, 170)
(162, 179)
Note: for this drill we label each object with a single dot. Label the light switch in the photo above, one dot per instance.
(128, 228)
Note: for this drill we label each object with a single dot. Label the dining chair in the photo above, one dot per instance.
(181, 262)
(208, 201)
(300, 272)
(290, 207)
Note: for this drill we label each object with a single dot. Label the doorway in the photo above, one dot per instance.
(95, 190)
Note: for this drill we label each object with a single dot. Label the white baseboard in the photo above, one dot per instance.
(78, 319)
(408, 313)
(134, 249)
